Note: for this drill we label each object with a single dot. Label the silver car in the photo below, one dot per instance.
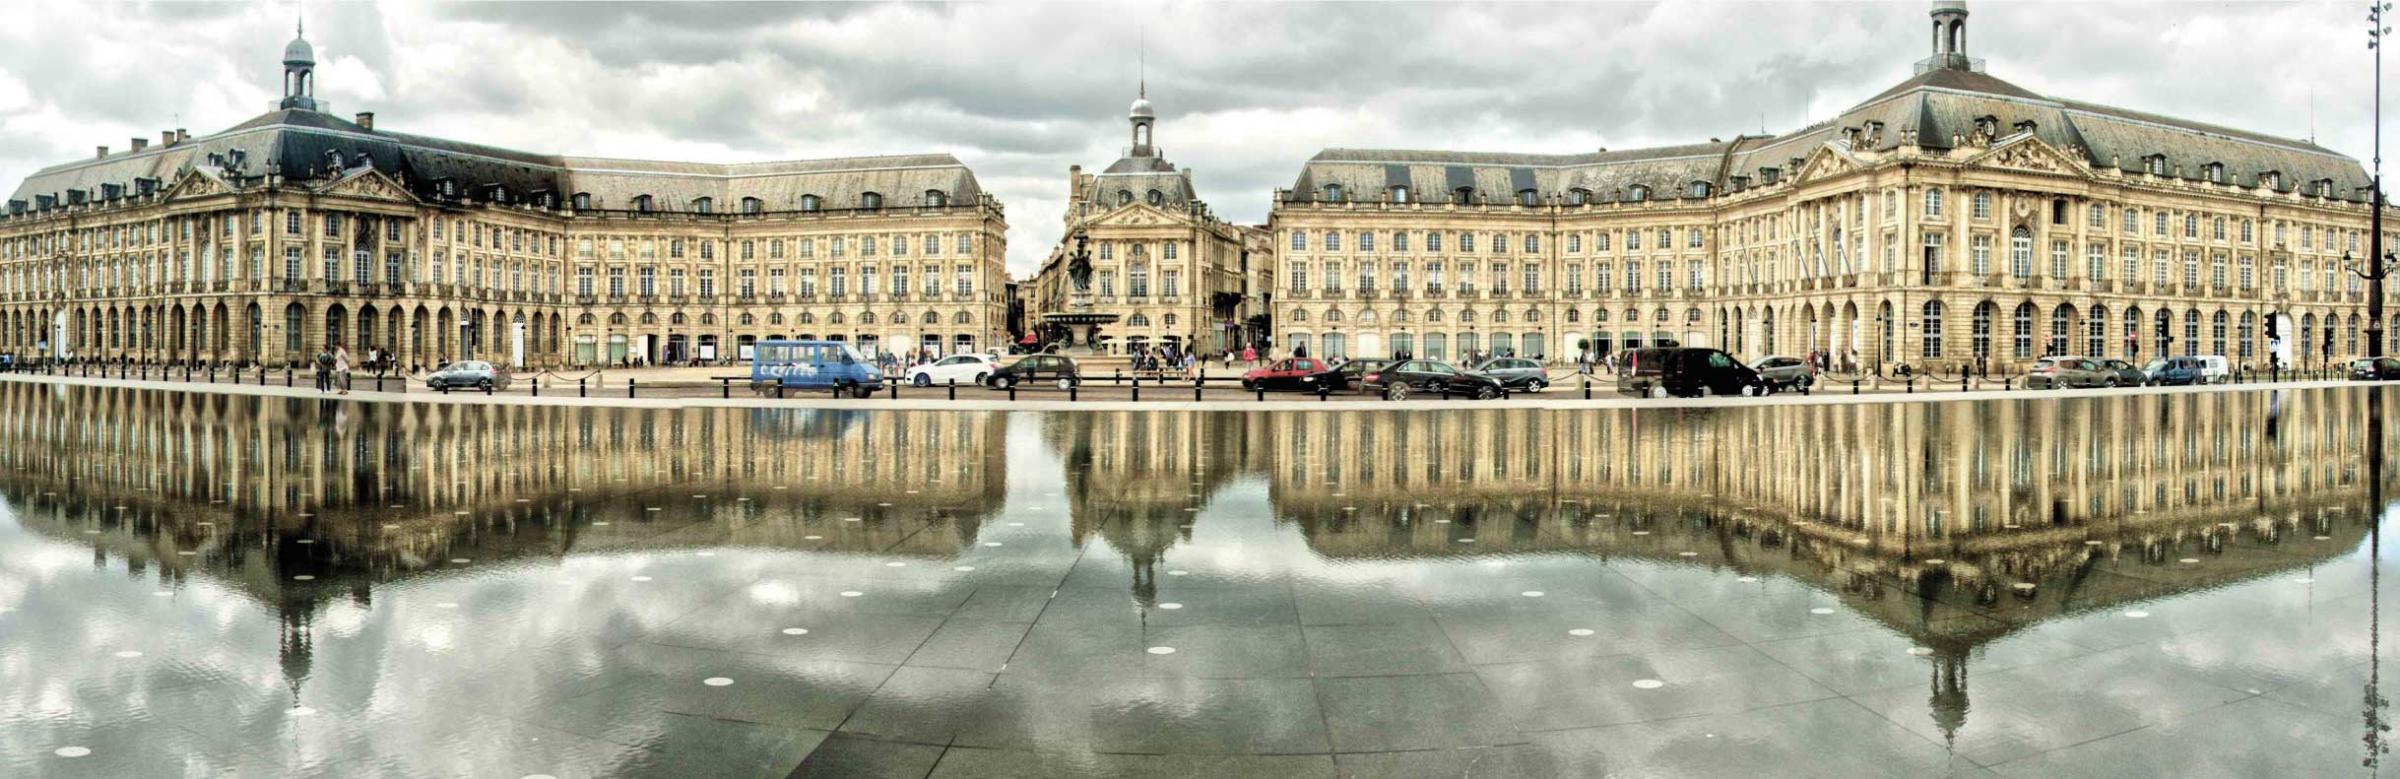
(468, 374)
(1516, 373)
(2064, 372)
(1785, 372)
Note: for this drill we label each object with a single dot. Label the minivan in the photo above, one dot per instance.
(1687, 372)
(812, 365)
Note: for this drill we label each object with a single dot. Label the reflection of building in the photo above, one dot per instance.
(1950, 218)
(297, 228)
(1167, 267)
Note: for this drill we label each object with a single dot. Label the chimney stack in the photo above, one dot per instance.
(140, 144)
(181, 136)
(102, 152)
(166, 137)
(366, 120)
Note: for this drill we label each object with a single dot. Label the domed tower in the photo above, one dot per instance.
(1950, 34)
(1142, 117)
(299, 72)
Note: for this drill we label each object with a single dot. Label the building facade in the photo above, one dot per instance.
(1173, 273)
(296, 229)
(1953, 220)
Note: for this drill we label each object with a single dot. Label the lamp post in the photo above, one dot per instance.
(2375, 32)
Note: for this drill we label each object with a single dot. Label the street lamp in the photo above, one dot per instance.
(2375, 32)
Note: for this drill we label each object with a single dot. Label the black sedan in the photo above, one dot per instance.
(1037, 369)
(1398, 380)
(2376, 369)
(1348, 376)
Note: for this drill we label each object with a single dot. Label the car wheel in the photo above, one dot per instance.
(921, 380)
(485, 385)
(1753, 390)
(1005, 382)
(1486, 392)
(1536, 385)
(1066, 383)
(861, 391)
(1395, 392)
(1249, 386)
(982, 377)
(1658, 391)
(2108, 384)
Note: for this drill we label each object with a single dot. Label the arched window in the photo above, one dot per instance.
(2021, 332)
(1932, 324)
(962, 318)
(2095, 328)
(1124, 197)
(616, 319)
(2062, 330)
(641, 203)
(1157, 198)
(2020, 253)
(751, 205)
(936, 198)
(1982, 329)
(586, 319)
(704, 205)
(931, 318)
(871, 201)
(811, 203)
(2216, 332)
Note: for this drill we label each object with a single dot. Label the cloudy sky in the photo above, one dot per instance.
(1246, 92)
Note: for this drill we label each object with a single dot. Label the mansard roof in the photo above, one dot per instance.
(303, 144)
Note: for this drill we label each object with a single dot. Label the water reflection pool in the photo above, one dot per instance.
(202, 585)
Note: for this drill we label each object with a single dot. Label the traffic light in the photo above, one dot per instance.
(2273, 334)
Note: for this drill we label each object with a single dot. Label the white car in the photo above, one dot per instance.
(966, 369)
(2215, 369)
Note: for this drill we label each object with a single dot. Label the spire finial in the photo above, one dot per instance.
(299, 24)
(1143, 90)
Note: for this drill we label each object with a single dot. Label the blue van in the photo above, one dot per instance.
(812, 365)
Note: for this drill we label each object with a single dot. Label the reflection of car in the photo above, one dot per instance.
(2375, 369)
(961, 368)
(1784, 372)
(2125, 374)
(1398, 380)
(1516, 373)
(1037, 369)
(2062, 372)
(1295, 373)
(468, 374)
(2172, 371)
(812, 365)
(1687, 372)
(1349, 375)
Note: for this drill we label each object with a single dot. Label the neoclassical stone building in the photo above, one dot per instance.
(1953, 219)
(298, 228)
(1172, 272)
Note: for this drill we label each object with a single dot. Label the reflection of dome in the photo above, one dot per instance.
(299, 51)
(1141, 108)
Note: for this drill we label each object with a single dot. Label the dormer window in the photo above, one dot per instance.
(937, 198)
(871, 201)
(447, 187)
(2216, 173)
(582, 201)
(641, 203)
(2155, 164)
(2025, 126)
(1637, 193)
(2271, 180)
(1400, 194)
(811, 203)
(751, 205)
(1769, 174)
(1156, 198)
(1699, 189)
(1463, 196)
(1333, 193)
(1527, 197)
(2324, 187)
(1988, 125)
(1579, 196)
(499, 194)
(704, 205)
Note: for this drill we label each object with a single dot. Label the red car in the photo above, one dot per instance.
(1295, 374)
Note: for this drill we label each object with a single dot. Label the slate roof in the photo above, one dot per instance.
(1940, 105)
(302, 144)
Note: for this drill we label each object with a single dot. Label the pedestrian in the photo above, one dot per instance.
(1249, 356)
(341, 368)
(323, 365)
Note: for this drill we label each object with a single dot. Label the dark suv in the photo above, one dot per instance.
(1688, 372)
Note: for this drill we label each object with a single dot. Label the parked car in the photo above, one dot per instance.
(2214, 369)
(468, 374)
(961, 368)
(1661, 372)
(812, 365)
(1398, 380)
(2172, 371)
(1785, 372)
(1516, 373)
(1349, 375)
(1298, 373)
(2064, 372)
(1037, 369)
(2375, 369)
(2125, 374)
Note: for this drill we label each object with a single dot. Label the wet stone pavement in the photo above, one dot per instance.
(2172, 585)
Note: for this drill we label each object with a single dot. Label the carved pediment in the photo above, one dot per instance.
(2029, 153)
(365, 183)
(1136, 215)
(198, 183)
(1828, 160)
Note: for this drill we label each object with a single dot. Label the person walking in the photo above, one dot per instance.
(1249, 356)
(323, 365)
(341, 368)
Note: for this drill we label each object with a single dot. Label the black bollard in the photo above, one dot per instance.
(579, 388)
(1196, 386)
(1071, 388)
(629, 386)
(725, 386)
(1012, 391)
(1137, 389)
(537, 386)
(894, 387)
(954, 388)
